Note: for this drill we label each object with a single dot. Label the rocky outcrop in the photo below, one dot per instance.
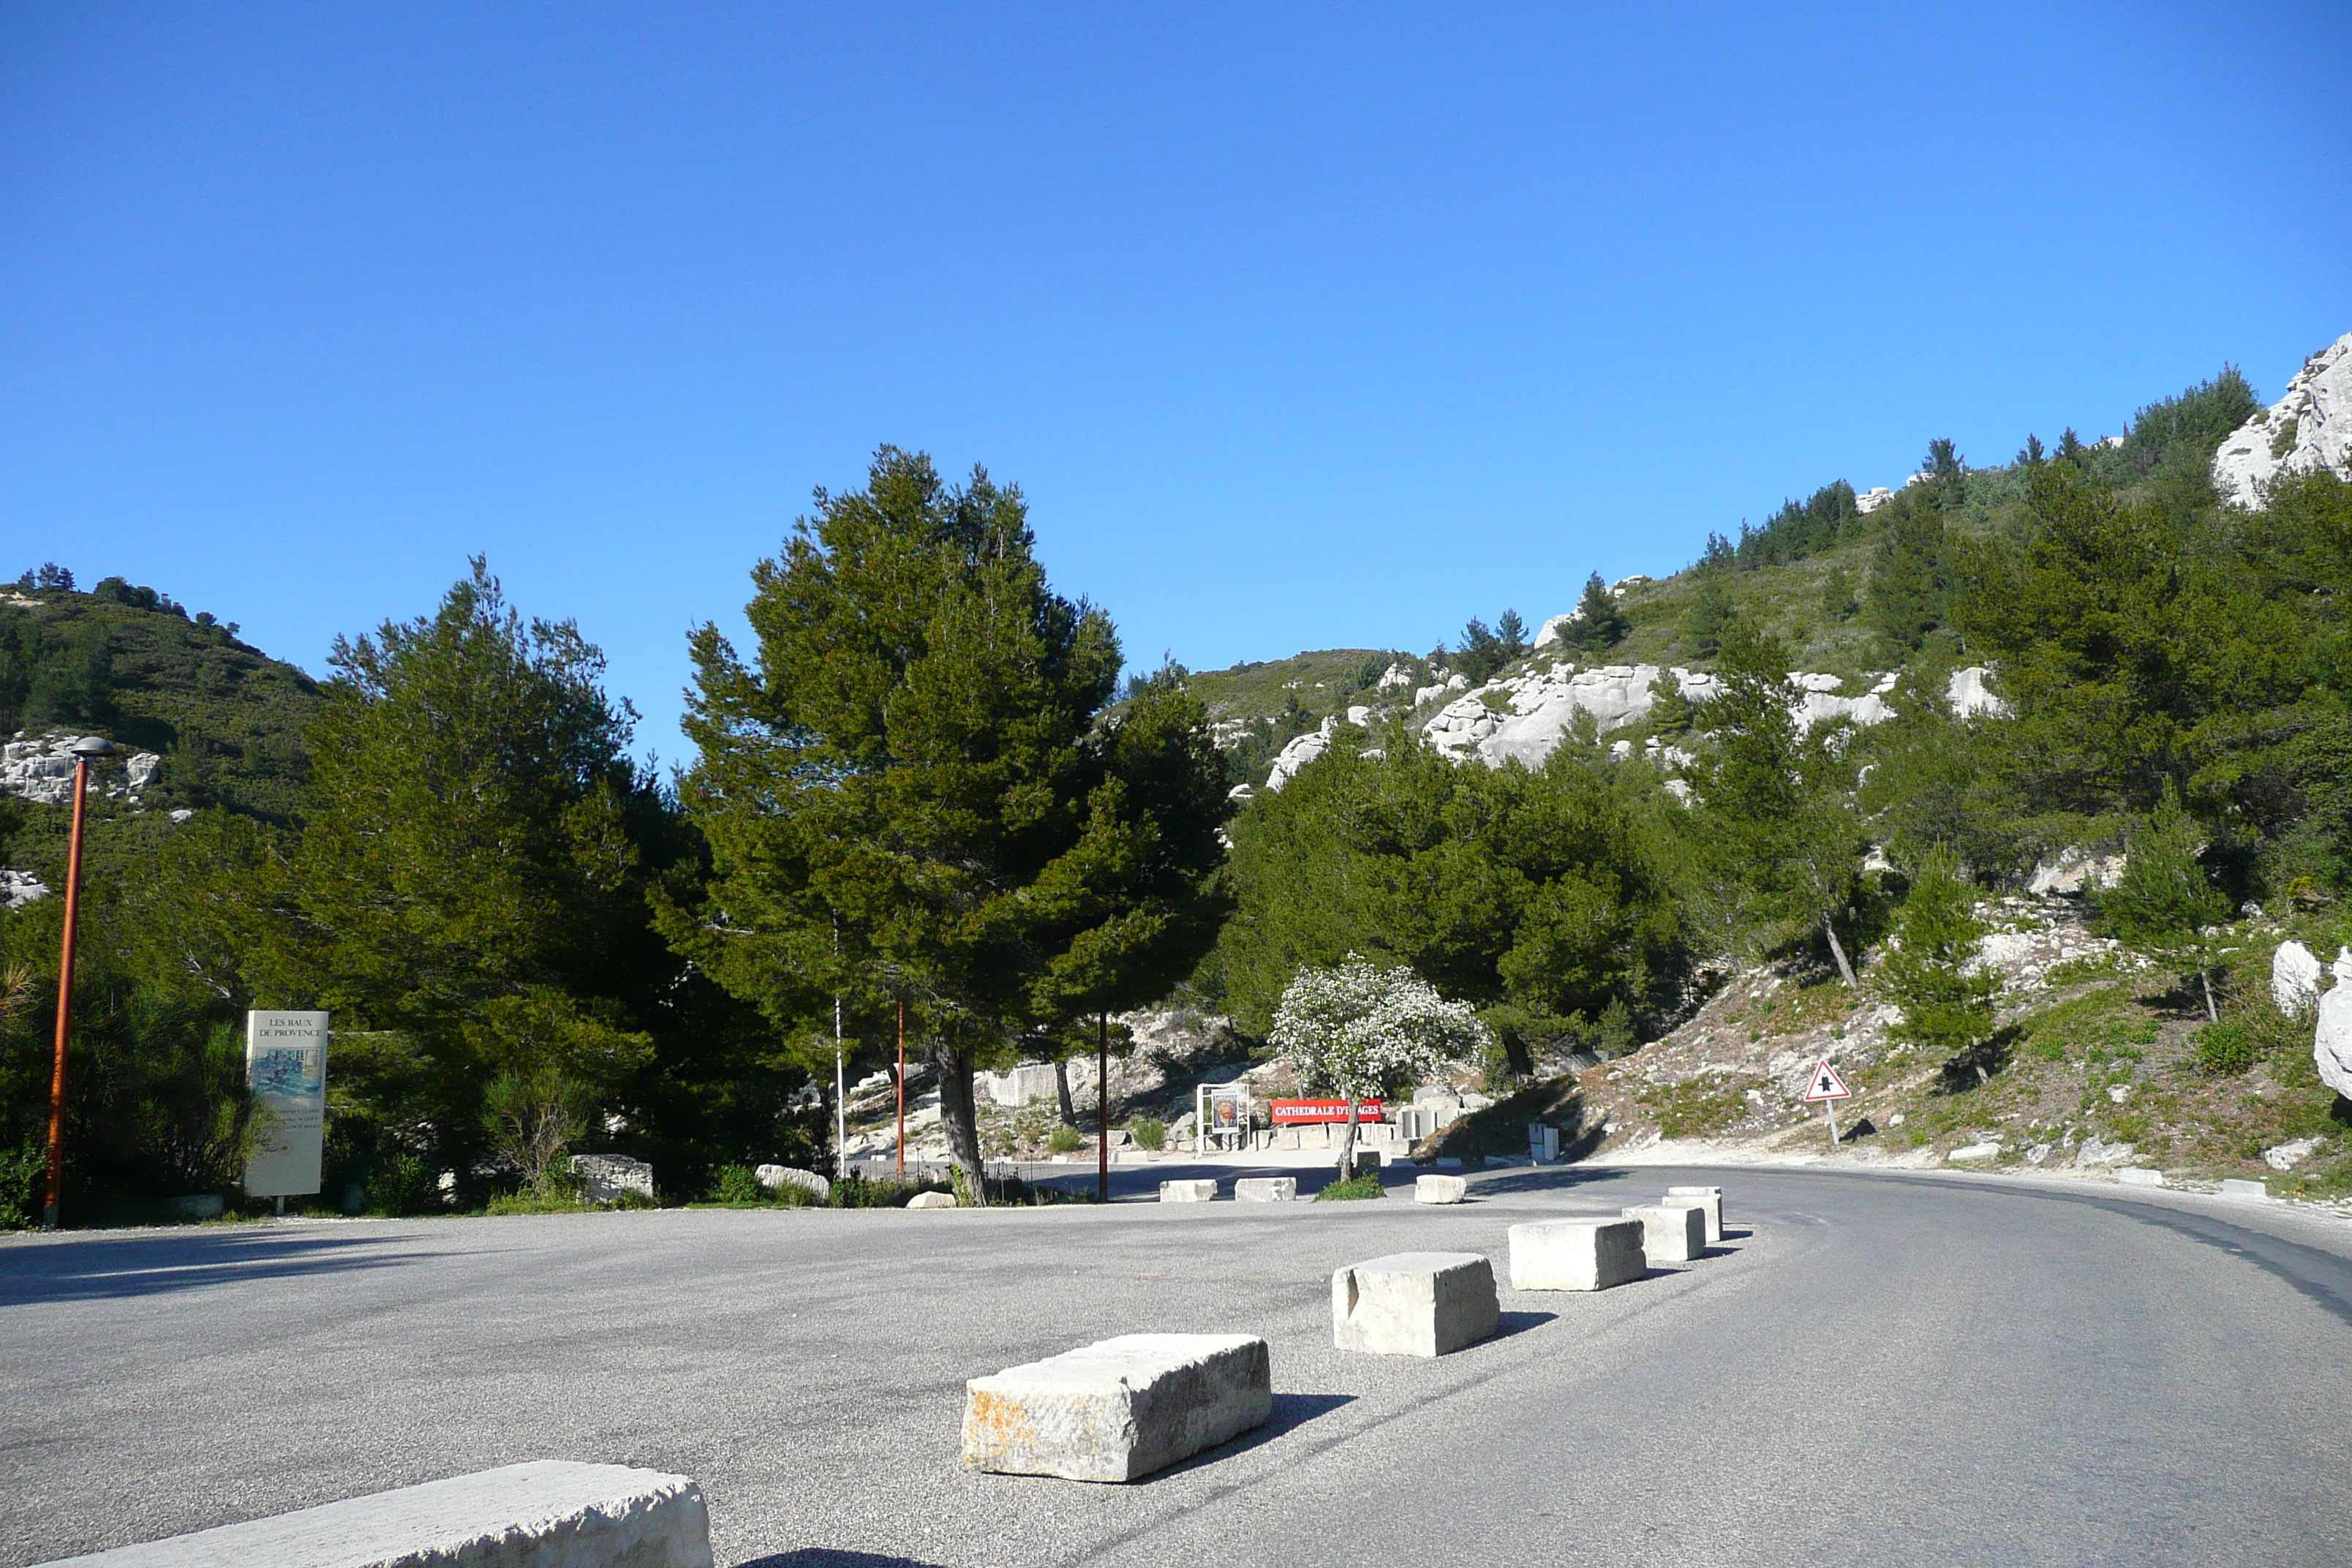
(1968, 696)
(2308, 429)
(41, 769)
(18, 888)
(2331, 1043)
(2294, 979)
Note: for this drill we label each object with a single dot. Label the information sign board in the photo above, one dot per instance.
(286, 1070)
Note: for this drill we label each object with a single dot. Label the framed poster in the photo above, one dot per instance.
(286, 1070)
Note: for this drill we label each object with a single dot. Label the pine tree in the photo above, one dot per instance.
(2163, 903)
(1600, 625)
(1778, 836)
(911, 794)
(1945, 1009)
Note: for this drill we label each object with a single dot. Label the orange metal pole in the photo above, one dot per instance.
(1102, 1107)
(902, 1089)
(64, 1007)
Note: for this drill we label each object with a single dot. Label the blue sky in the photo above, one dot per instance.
(1300, 327)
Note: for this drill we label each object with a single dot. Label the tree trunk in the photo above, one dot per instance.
(2205, 978)
(1061, 1090)
(959, 1116)
(1837, 951)
(1348, 1144)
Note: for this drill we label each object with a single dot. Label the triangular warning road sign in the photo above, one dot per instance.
(1826, 1084)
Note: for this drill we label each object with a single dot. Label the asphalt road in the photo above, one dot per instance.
(1872, 1370)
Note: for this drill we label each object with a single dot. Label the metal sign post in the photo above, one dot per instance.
(1826, 1086)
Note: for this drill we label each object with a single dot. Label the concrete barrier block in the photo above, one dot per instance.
(2139, 1176)
(1675, 1233)
(1414, 1303)
(931, 1201)
(1440, 1189)
(1577, 1254)
(1200, 1192)
(1120, 1409)
(549, 1513)
(2233, 1188)
(1709, 1198)
(1265, 1190)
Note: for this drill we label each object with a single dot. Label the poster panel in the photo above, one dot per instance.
(286, 1070)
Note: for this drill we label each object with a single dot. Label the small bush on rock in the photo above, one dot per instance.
(1149, 1134)
(1065, 1140)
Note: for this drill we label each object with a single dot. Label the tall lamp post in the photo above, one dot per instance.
(85, 750)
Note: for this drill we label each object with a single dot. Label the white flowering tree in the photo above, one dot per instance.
(1361, 1031)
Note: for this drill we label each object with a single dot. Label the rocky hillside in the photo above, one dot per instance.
(201, 717)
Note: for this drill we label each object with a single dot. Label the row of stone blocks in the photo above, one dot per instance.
(1123, 1408)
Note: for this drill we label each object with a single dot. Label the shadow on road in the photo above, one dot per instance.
(98, 1270)
(1291, 1411)
(1541, 1179)
(1520, 1322)
(820, 1557)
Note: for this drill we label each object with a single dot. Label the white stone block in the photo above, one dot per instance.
(1440, 1189)
(1200, 1192)
(1577, 1254)
(2233, 1188)
(931, 1201)
(1673, 1233)
(1709, 1198)
(549, 1513)
(1260, 1190)
(775, 1177)
(1971, 1153)
(1414, 1303)
(1120, 1409)
(2139, 1176)
(604, 1178)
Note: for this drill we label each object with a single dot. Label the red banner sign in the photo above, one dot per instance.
(1292, 1112)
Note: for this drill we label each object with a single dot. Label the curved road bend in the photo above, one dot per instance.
(1873, 1370)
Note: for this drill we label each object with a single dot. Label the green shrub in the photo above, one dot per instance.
(2226, 1050)
(1065, 1140)
(1364, 1186)
(531, 1201)
(402, 1184)
(737, 1185)
(855, 1192)
(1149, 1133)
(24, 1178)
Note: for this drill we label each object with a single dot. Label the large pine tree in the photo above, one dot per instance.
(913, 791)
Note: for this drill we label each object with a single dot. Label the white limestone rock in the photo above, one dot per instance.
(1264, 1189)
(2075, 870)
(1120, 1409)
(2094, 1153)
(2331, 1043)
(1193, 1191)
(1968, 695)
(2288, 1156)
(539, 1514)
(1671, 1232)
(1577, 1254)
(1709, 1198)
(18, 888)
(2294, 979)
(776, 1177)
(1440, 1189)
(931, 1201)
(1414, 1303)
(2308, 429)
(607, 1178)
